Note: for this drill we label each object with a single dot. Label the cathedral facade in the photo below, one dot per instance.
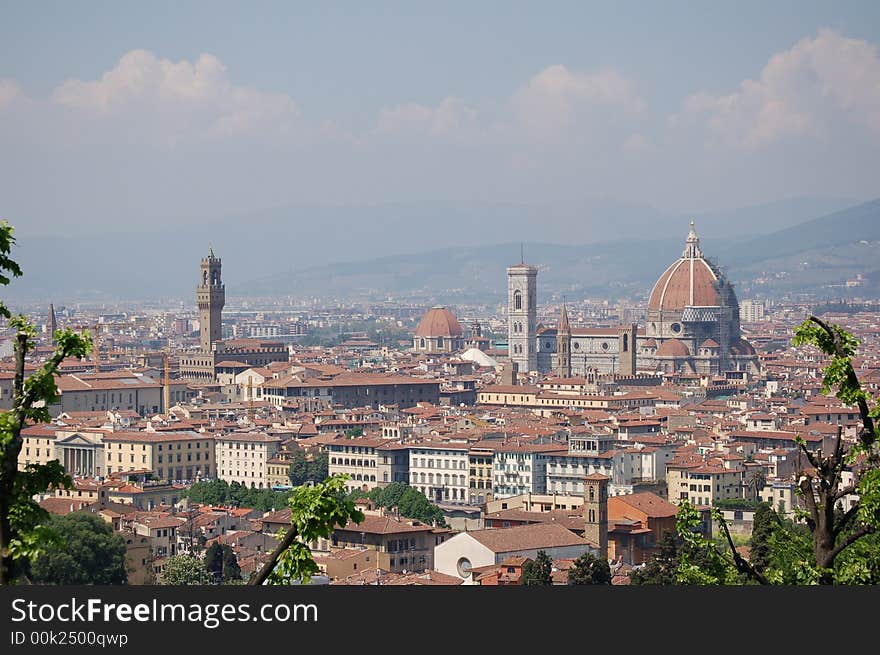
(692, 326)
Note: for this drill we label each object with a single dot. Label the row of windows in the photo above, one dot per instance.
(352, 462)
(446, 463)
(188, 457)
(447, 494)
(182, 474)
(447, 479)
(352, 449)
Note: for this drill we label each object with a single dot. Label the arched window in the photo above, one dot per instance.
(422, 343)
(625, 343)
(439, 342)
(517, 299)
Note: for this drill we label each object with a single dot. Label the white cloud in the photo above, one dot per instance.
(554, 98)
(9, 92)
(451, 116)
(801, 91)
(182, 97)
(638, 143)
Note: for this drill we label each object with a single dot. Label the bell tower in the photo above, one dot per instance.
(596, 512)
(563, 345)
(211, 297)
(522, 316)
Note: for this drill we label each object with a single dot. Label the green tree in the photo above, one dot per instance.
(763, 526)
(835, 534)
(315, 511)
(409, 502)
(755, 482)
(539, 571)
(24, 532)
(90, 553)
(589, 569)
(219, 492)
(185, 570)
(303, 469)
(662, 569)
(221, 562)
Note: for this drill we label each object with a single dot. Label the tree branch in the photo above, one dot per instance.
(811, 458)
(742, 564)
(806, 487)
(270, 564)
(841, 493)
(841, 524)
(851, 539)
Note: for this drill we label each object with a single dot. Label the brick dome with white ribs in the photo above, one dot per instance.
(693, 314)
(438, 332)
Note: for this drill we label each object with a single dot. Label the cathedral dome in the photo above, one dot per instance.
(439, 322)
(673, 348)
(689, 281)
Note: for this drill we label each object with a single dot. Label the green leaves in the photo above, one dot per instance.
(409, 501)
(589, 569)
(89, 552)
(184, 570)
(840, 342)
(869, 498)
(315, 512)
(538, 572)
(700, 562)
(8, 267)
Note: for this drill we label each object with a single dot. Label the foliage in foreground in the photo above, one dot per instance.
(89, 553)
(24, 525)
(315, 511)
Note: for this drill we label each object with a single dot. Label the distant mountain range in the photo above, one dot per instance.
(456, 254)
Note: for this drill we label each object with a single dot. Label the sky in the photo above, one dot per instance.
(131, 116)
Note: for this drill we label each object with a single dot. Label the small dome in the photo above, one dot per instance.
(741, 347)
(709, 343)
(439, 322)
(651, 343)
(673, 348)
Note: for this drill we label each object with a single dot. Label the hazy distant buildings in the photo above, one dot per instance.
(752, 311)
(693, 326)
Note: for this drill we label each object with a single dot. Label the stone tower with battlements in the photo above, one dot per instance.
(210, 297)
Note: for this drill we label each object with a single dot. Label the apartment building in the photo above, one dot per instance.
(701, 484)
(178, 456)
(440, 471)
(522, 468)
(243, 457)
(357, 458)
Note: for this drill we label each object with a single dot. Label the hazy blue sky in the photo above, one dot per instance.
(126, 113)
